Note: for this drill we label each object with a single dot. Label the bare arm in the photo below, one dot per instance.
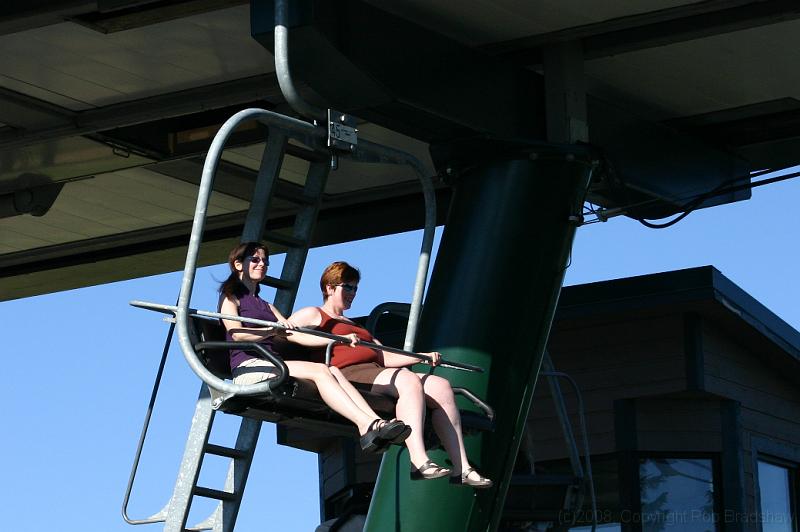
(310, 318)
(396, 360)
(240, 333)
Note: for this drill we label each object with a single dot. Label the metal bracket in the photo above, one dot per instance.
(342, 131)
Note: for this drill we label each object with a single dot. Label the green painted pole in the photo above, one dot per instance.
(491, 302)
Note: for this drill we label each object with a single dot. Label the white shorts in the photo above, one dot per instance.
(254, 370)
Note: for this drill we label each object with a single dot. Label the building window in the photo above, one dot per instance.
(775, 485)
(677, 494)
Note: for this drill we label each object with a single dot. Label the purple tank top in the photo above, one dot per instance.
(251, 306)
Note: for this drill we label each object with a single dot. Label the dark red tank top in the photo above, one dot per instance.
(344, 355)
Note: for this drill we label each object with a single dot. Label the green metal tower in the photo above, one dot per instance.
(492, 297)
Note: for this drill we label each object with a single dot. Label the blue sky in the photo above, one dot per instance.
(82, 363)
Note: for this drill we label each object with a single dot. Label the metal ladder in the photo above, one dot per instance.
(176, 512)
(223, 518)
(581, 480)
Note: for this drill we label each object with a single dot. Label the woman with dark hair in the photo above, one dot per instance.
(386, 373)
(239, 297)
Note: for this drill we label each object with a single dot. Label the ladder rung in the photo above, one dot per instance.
(545, 480)
(294, 194)
(227, 452)
(274, 282)
(306, 154)
(214, 494)
(286, 240)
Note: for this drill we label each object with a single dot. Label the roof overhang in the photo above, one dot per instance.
(102, 102)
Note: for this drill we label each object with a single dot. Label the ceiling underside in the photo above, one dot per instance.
(107, 108)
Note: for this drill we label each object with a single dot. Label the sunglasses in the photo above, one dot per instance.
(255, 259)
(349, 287)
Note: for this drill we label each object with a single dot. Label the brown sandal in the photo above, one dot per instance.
(464, 480)
(421, 473)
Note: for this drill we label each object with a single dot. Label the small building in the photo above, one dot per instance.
(692, 409)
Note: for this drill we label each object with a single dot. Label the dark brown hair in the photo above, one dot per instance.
(337, 273)
(233, 286)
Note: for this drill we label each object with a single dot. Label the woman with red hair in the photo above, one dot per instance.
(386, 373)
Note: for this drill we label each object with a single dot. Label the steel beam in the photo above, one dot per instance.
(655, 28)
(21, 15)
(23, 111)
(565, 93)
(105, 15)
(245, 90)
(158, 250)
(120, 15)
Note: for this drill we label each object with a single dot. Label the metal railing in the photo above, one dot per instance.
(170, 309)
(584, 437)
(282, 69)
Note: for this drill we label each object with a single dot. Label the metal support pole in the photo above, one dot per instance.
(565, 93)
(500, 266)
(282, 70)
(563, 416)
(304, 224)
(271, 162)
(371, 152)
(180, 503)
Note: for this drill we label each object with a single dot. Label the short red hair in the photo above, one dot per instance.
(338, 273)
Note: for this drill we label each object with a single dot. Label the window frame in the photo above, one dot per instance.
(779, 454)
(716, 479)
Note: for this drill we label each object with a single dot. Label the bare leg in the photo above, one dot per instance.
(407, 388)
(354, 394)
(446, 420)
(331, 392)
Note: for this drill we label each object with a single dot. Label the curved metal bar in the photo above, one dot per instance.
(272, 120)
(386, 154)
(280, 365)
(477, 401)
(585, 438)
(329, 353)
(161, 515)
(389, 307)
(282, 69)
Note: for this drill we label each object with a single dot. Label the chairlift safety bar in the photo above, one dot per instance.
(170, 309)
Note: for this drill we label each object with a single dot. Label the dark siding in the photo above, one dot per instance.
(682, 425)
(770, 403)
(609, 360)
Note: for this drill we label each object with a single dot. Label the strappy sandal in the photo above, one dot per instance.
(422, 473)
(382, 433)
(464, 480)
(394, 432)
